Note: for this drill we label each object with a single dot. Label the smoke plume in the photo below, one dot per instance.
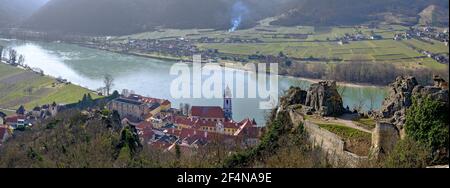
(238, 11)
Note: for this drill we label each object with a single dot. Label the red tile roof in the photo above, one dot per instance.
(174, 132)
(201, 123)
(148, 134)
(160, 145)
(144, 125)
(185, 133)
(231, 125)
(13, 119)
(142, 99)
(183, 120)
(207, 112)
(165, 103)
(248, 129)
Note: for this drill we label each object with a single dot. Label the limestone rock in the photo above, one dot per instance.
(434, 92)
(293, 96)
(324, 99)
(400, 96)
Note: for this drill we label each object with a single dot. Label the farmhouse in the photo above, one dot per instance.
(15, 121)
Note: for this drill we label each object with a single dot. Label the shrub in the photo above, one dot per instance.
(427, 123)
(408, 154)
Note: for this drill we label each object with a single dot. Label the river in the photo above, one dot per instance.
(150, 77)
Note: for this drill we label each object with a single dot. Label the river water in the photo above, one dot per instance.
(150, 77)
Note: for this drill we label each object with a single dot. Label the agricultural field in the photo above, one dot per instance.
(21, 87)
(318, 43)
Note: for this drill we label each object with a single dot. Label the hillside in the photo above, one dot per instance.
(14, 11)
(119, 17)
(434, 15)
(350, 12)
(20, 87)
(116, 17)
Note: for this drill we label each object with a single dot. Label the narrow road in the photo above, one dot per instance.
(351, 124)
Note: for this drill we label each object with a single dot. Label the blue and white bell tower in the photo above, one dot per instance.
(227, 104)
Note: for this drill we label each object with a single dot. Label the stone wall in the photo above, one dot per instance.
(329, 143)
(384, 138)
(334, 146)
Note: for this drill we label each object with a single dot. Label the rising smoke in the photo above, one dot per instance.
(238, 11)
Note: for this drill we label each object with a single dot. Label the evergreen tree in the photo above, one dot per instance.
(427, 123)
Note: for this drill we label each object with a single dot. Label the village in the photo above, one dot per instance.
(427, 35)
(158, 124)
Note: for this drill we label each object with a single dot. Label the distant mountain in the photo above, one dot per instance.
(14, 11)
(115, 17)
(119, 17)
(349, 12)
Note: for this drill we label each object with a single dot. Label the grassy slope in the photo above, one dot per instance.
(366, 123)
(356, 141)
(14, 83)
(345, 132)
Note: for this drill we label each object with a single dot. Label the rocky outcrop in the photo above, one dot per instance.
(439, 91)
(401, 94)
(293, 96)
(324, 99)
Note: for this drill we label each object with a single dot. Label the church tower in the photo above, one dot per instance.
(227, 105)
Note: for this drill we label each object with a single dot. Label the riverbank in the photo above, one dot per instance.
(239, 66)
(159, 57)
(226, 63)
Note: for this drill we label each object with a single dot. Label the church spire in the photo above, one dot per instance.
(227, 104)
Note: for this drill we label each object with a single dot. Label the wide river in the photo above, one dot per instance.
(150, 77)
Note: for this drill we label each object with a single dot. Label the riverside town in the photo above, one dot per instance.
(225, 92)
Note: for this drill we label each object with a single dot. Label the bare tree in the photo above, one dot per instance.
(1, 53)
(108, 80)
(182, 108)
(187, 108)
(21, 60)
(372, 98)
(28, 90)
(12, 56)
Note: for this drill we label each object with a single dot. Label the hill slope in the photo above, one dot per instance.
(349, 12)
(119, 17)
(13, 11)
(114, 17)
(434, 15)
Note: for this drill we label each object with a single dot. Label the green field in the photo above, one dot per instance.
(367, 123)
(21, 87)
(345, 132)
(318, 44)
